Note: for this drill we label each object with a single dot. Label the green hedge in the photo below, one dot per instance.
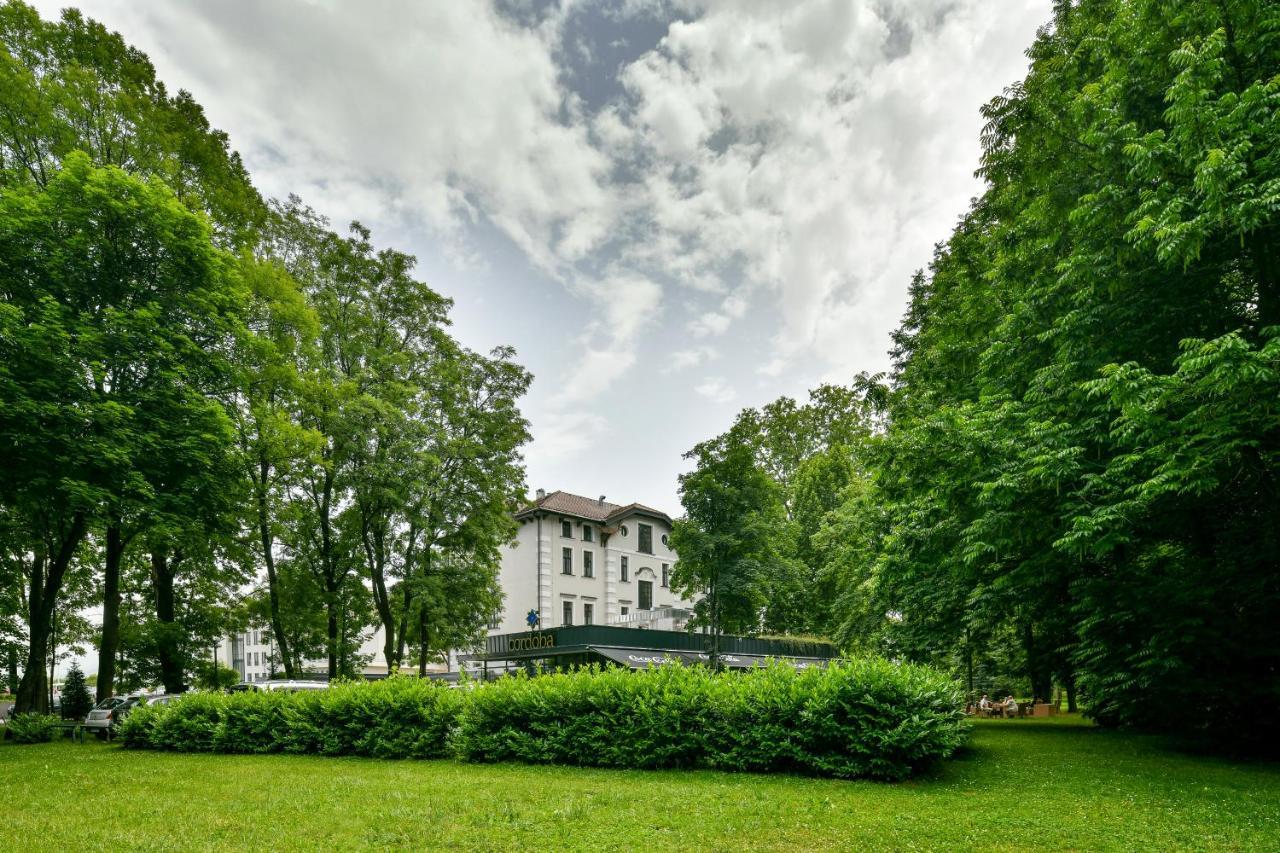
(869, 719)
(395, 718)
(32, 728)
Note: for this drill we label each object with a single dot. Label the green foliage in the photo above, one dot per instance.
(215, 675)
(395, 718)
(194, 384)
(76, 700)
(861, 719)
(809, 453)
(866, 718)
(728, 540)
(32, 728)
(1083, 442)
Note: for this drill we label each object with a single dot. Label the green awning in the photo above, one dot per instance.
(642, 658)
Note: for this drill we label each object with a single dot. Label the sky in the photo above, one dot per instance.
(672, 209)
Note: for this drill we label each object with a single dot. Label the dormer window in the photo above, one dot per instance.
(566, 528)
(645, 545)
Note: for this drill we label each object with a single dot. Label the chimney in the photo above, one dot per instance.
(602, 500)
(542, 493)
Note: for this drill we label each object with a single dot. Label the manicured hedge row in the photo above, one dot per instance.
(869, 718)
(866, 718)
(395, 718)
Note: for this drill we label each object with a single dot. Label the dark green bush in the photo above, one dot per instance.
(395, 718)
(32, 728)
(134, 731)
(868, 718)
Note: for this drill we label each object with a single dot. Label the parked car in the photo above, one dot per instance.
(278, 684)
(107, 714)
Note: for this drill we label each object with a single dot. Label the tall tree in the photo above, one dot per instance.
(116, 302)
(727, 542)
(1082, 446)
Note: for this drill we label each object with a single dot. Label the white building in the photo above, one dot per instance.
(583, 561)
(574, 561)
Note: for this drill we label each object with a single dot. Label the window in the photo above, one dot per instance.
(495, 621)
(588, 610)
(646, 539)
(623, 531)
(566, 559)
(666, 573)
(625, 610)
(664, 540)
(588, 564)
(646, 595)
(566, 528)
(588, 535)
(624, 569)
(568, 613)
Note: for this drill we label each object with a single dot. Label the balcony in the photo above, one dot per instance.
(659, 619)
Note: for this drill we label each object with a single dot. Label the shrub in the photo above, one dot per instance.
(395, 718)
(135, 730)
(867, 718)
(32, 728)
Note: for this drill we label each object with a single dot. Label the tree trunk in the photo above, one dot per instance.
(1069, 682)
(53, 654)
(13, 668)
(45, 578)
(375, 555)
(331, 637)
(110, 644)
(1038, 674)
(422, 642)
(715, 624)
(1263, 247)
(269, 558)
(170, 656)
(402, 639)
(968, 653)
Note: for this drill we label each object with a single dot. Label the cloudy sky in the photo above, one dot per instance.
(672, 209)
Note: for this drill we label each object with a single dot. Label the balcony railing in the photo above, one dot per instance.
(659, 619)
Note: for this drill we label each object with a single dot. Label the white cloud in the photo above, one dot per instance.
(793, 160)
(716, 389)
(687, 358)
(810, 153)
(564, 436)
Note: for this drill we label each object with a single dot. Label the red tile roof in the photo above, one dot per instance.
(564, 503)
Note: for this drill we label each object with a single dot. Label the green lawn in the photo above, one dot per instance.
(1050, 784)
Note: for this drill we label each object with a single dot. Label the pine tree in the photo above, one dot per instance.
(76, 701)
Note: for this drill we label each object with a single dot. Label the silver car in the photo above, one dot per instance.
(108, 713)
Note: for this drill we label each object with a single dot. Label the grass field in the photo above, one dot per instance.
(1052, 784)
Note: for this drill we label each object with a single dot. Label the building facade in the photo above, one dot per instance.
(586, 561)
(574, 561)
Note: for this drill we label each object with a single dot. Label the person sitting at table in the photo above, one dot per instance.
(984, 706)
(1011, 707)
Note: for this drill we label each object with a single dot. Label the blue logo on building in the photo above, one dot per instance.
(532, 619)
